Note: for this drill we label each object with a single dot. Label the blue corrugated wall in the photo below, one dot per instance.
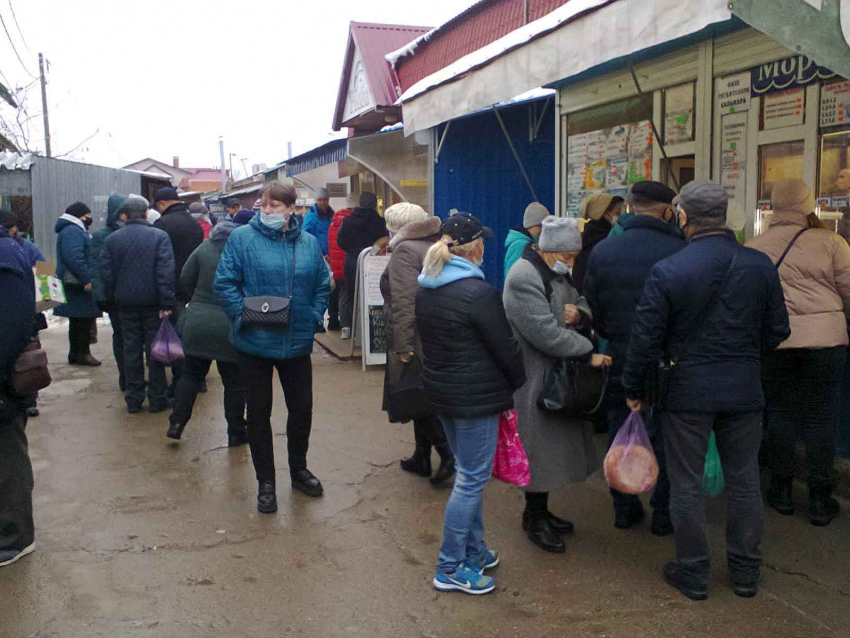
(477, 173)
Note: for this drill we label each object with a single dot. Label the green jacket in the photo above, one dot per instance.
(618, 228)
(515, 243)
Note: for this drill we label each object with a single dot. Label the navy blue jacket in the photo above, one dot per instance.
(17, 307)
(616, 272)
(720, 371)
(74, 268)
(137, 267)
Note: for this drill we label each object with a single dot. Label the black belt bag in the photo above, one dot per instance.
(266, 311)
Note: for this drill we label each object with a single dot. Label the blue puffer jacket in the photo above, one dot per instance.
(258, 261)
(74, 267)
(113, 205)
(317, 225)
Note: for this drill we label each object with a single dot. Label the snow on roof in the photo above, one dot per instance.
(16, 161)
(410, 47)
(495, 49)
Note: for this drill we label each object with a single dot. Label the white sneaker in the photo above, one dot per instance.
(7, 557)
(346, 334)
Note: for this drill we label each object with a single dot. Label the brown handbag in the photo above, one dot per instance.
(30, 373)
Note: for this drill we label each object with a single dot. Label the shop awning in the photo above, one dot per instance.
(578, 36)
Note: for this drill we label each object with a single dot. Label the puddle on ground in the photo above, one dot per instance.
(65, 388)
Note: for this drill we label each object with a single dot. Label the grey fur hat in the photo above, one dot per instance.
(134, 203)
(560, 235)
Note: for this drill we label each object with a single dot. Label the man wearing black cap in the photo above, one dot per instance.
(233, 205)
(709, 312)
(186, 235)
(616, 272)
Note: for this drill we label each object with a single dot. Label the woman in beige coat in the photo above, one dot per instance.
(802, 378)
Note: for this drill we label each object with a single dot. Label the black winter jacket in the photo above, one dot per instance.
(472, 363)
(720, 371)
(359, 230)
(137, 267)
(617, 270)
(594, 232)
(186, 235)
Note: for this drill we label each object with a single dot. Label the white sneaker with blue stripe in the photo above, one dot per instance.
(466, 579)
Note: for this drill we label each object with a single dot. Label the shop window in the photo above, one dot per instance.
(679, 114)
(786, 108)
(835, 165)
(779, 161)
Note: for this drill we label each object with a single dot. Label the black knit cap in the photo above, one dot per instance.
(165, 194)
(78, 210)
(368, 200)
(654, 192)
(8, 219)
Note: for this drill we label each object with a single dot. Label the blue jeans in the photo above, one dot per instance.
(473, 443)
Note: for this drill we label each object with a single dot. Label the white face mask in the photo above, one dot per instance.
(560, 268)
(275, 221)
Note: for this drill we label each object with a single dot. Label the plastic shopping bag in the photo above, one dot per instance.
(630, 466)
(713, 483)
(166, 347)
(510, 463)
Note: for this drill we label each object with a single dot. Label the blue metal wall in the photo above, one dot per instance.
(477, 173)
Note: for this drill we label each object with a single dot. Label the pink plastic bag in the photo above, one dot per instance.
(630, 466)
(166, 347)
(510, 464)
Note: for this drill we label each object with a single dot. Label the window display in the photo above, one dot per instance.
(779, 161)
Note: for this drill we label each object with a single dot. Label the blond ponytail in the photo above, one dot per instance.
(437, 256)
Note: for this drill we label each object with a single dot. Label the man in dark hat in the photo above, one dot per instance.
(616, 272)
(713, 310)
(233, 205)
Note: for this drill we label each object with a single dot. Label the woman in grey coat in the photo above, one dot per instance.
(413, 232)
(546, 314)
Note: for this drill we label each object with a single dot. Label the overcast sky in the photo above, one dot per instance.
(167, 77)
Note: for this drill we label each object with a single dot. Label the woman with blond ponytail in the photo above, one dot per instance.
(471, 367)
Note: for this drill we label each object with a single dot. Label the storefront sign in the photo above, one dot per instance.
(787, 74)
(841, 202)
(784, 109)
(337, 190)
(414, 183)
(733, 93)
(835, 104)
(733, 145)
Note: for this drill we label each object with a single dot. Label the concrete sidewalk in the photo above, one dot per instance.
(138, 536)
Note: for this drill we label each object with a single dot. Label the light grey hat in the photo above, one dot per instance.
(560, 235)
(535, 213)
(134, 203)
(703, 200)
(321, 193)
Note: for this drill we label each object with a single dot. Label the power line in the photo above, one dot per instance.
(15, 18)
(3, 22)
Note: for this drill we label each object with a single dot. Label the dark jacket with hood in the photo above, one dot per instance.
(472, 364)
(17, 307)
(317, 224)
(720, 371)
(617, 270)
(360, 230)
(113, 207)
(594, 232)
(74, 266)
(204, 328)
(186, 235)
(137, 267)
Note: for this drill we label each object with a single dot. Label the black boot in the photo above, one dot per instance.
(536, 523)
(237, 435)
(822, 507)
(447, 465)
(266, 498)
(175, 431)
(306, 481)
(661, 523)
(685, 582)
(420, 462)
(627, 515)
(779, 494)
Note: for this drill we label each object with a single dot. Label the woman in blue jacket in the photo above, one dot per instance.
(74, 268)
(258, 261)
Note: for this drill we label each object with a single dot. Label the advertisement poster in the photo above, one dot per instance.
(784, 109)
(679, 114)
(835, 104)
(733, 145)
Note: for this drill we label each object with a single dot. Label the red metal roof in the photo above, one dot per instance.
(478, 26)
(374, 41)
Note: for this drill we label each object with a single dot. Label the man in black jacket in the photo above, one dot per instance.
(713, 310)
(137, 268)
(617, 269)
(17, 307)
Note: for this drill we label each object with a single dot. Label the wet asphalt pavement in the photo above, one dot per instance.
(138, 536)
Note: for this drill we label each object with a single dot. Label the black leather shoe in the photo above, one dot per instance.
(419, 463)
(83, 360)
(237, 438)
(266, 499)
(32, 412)
(175, 431)
(160, 407)
(627, 517)
(745, 590)
(822, 510)
(676, 577)
(305, 481)
(540, 532)
(661, 523)
(134, 409)
(445, 471)
(558, 525)
(779, 496)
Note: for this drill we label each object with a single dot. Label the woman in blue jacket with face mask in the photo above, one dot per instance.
(272, 257)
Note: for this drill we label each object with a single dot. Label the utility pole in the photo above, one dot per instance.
(44, 104)
(223, 170)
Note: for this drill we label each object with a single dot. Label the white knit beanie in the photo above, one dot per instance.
(400, 215)
(560, 235)
(792, 196)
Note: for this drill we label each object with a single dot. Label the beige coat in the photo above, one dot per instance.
(815, 278)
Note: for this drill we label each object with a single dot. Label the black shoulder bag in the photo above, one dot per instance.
(788, 248)
(267, 311)
(659, 378)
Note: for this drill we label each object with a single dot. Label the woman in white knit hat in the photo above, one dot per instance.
(413, 232)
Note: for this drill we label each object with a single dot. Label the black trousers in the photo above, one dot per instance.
(16, 482)
(738, 435)
(118, 345)
(79, 336)
(429, 431)
(176, 368)
(802, 387)
(333, 309)
(296, 379)
(346, 302)
(140, 328)
(195, 370)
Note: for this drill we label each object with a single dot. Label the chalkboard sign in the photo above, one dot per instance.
(377, 341)
(368, 325)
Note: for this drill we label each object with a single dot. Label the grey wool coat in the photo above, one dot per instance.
(560, 450)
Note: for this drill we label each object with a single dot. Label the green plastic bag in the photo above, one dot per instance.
(712, 477)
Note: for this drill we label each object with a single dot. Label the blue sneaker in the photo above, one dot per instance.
(466, 579)
(491, 559)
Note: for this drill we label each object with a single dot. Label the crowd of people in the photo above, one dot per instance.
(754, 339)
